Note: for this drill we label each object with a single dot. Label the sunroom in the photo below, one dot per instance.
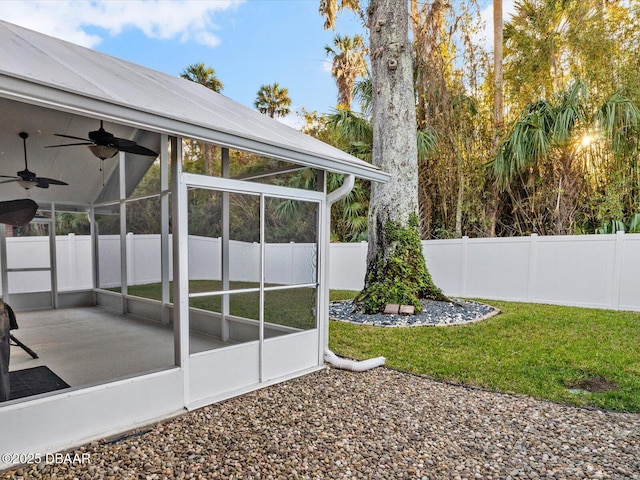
(145, 283)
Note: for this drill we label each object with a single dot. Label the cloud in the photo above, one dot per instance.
(159, 19)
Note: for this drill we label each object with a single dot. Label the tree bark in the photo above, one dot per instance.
(498, 77)
(498, 108)
(394, 120)
(209, 158)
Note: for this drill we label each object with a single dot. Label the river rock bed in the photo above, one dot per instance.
(379, 424)
(434, 313)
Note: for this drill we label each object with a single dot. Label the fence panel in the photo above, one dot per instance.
(445, 263)
(628, 297)
(348, 265)
(574, 270)
(492, 267)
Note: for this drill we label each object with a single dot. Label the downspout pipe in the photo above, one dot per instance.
(330, 357)
(353, 365)
(340, 192)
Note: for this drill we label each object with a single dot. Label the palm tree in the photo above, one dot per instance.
(329, 9)
(498, 107)
(199, 73)
(347, 65)
(273, 100)
(498, 81)
(550, 44)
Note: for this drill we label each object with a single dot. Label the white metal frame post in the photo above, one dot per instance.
(3, 263)
(261, 273)
(180, 263)
(53, 259)
(164, 226)
(323, 239)
(225, 250)
(95, 256)
(123, 231)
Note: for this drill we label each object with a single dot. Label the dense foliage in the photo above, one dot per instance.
(564, 161)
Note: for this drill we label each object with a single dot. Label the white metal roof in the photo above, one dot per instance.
(42, 71)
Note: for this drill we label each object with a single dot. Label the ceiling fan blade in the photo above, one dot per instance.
(106, 139)
(71, 136)
(138, 150)
(49, 181)
(69, 145)
(10, 176)
(17, 212)
(13, 179)
(121, 142)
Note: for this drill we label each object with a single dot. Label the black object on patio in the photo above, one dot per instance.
(33, 381)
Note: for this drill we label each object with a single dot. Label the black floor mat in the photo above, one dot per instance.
(33, 381)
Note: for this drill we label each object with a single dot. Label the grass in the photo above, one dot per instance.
(531, 349)
(292, 308)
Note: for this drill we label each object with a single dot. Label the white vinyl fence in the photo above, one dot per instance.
(600, 271)
(285, 263)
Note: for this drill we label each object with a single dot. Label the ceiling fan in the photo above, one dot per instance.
(17, 212)
(26, 178)
(105, 145)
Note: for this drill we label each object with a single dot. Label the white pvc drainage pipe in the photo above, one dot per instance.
(329, 356)
(352, 365)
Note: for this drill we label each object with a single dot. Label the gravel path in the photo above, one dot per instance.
(379, 424)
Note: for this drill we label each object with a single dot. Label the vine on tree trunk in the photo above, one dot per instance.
(401, 276)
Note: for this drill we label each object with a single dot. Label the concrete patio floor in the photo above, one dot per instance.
(90, 345)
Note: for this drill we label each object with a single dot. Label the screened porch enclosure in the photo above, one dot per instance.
(239, 292)
(198, 284)
(229, 299)
(252, 259)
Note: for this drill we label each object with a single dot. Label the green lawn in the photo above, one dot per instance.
(537, 350)
(293, 308)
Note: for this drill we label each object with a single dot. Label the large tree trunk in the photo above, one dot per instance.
(498, 108)
(498, 77)
(394, 117)
(393, 206)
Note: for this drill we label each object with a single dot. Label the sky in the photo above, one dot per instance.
(249, 43)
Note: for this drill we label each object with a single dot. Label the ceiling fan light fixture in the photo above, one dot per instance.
(26, 184)
(103, 151)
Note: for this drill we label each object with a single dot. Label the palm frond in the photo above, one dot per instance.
(427, 143)
(619, 120)
(349, 127)
(528, 141)
(568, 113)
(363, 92)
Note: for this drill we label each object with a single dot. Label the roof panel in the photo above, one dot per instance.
(193, 109)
